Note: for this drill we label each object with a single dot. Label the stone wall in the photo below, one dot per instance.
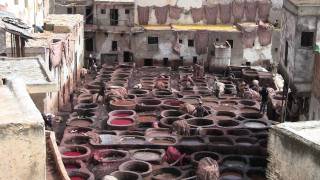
(294, 151)
(22, 135)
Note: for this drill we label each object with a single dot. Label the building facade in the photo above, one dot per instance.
(301, 26)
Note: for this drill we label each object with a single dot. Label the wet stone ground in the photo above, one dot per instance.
(99, 139)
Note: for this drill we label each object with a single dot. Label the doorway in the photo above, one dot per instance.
(148, 62)
(126, 56)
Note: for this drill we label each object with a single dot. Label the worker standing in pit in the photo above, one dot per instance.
(200, 110)
(264, 99)
(101, 92)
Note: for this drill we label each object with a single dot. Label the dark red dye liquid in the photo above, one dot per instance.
(121, 115)
(121, 122)
(71, 166)
(72, 153)
(77, 178)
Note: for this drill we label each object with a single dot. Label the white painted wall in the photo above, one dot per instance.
(31, 13)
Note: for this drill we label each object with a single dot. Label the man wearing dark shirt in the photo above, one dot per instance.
(264, 99)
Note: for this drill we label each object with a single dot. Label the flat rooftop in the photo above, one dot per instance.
(217, 28)
(31, 70)
(63, 23)
(16, 105)
(307, 131)
(305, 2)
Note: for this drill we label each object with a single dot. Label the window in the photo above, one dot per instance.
(217, 39)
(103, 11)
(148, 62)
(153, 40)
(230, 42)
(190, 43)
(114, 17)
(69, 10)
(127, 11)
(286, 52)
(181, 58)
(307, 39)
(114, 45)
(195, 59)
(180, 41)
(276, 49)
(165, 61)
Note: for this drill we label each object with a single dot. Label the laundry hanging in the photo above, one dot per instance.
(251, 10)
(176, 45)
(265, 33)
(225, 13)
(161, 14)
(175, 12)
(238, 7)
(264, 7)
(249, 34)
(197, 14)
(143, 15)
(201, 42)
(211, 14)
(56, 53)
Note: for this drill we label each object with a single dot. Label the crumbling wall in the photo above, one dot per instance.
(23, 149)
(288, 36)
(292, 156)
(104, 19)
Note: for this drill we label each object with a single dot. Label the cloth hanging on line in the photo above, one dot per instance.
(265, 33)
(238, 7)
(176, 45)
(225, 13)
(251, 11)
(211, 14)
(143, 15)
(56, 53)
(175, 12)
(249, 34)
(161, 14)
(197, 14)
(264, 7)
(201, 42)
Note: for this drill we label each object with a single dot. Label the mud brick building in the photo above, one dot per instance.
(301, 30)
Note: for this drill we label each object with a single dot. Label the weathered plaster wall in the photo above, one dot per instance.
(39, 100)
(104, 19)
(31, 13)
(186, 17)
(22, 135)
(2, 41)
(288, 34)
(294, 151)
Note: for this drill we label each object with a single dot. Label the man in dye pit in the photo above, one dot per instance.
(200, 110)
(264, 99)
(101, 92)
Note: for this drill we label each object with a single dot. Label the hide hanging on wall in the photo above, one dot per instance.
(143, 15)
(197, 14)
(238, 7)
(251, 11)
(175, 12)
(201, 42)
(249, 35)
(211, 14)
(161, 14)
(225, 13)
(56, 53)
(265, 34)
(264, 7)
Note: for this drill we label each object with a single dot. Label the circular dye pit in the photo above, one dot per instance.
(148, 155)
(141, 167)
(143, 118)
(191, 141)
(163, 140)
(126, 175)
(166, 173)
(72, 153)
(228, 103)
(211, 132)
(200, 122)
(254, 124)
(234, 162)
(132, 140)
(72, 165)
(86, 122)
(77, 178)
(197, 156)
(123, 103)
(218, 141)
(231, 175)
(121, 122)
